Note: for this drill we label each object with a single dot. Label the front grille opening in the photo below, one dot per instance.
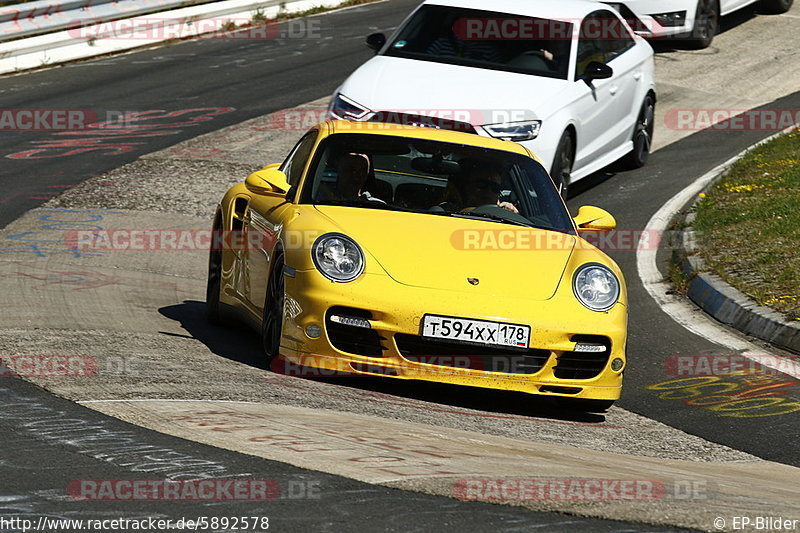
(560, 390)
(353, 339)
(583, 365)
(500, 359)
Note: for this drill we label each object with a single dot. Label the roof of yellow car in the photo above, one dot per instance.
(436, 134)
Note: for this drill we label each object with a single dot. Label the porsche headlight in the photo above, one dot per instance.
(345, 109)
(596, 287)
(515, 131)
(338, 257)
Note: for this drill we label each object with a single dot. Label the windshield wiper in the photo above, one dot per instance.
(498, 218)
(372, 204)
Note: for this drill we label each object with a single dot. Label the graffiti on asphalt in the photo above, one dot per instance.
(735, 396)
(124, 133)
(47, 237)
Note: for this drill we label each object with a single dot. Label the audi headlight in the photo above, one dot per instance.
(345, 109)
(596, 287)
(515, 131)
(338, 257)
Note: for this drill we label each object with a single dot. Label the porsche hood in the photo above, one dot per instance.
(457, 254)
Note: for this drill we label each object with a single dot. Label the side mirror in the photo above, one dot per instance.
(376, 41)
(590, 218)
(596, 71)
(268, 181)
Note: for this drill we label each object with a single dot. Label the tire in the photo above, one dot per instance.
(214, 284)
(561, 172)
(585, 406)
(706, 24)
(272, 319)
(642, 135)
(775, 6)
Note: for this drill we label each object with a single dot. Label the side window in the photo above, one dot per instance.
(618, 39)
(590, 42)
(294, 164)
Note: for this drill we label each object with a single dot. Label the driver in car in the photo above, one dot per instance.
(351, 178)
(481, 186)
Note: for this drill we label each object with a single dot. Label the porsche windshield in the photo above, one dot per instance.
(434, 178)
(486, 39)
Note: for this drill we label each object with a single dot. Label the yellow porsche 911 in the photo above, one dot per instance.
(427, 254)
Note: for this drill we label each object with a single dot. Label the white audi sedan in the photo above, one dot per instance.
(567, 79)
(694, 20)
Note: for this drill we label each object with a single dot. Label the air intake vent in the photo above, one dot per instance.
(239, 212)
(583, 364)
(348, 333)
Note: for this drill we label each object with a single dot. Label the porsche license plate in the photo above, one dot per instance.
(477, 331)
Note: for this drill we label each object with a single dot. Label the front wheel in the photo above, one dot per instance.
(642, 134)
(561, 172)
(214, 284)
(706, 24)
(775, 6)
(272, 321)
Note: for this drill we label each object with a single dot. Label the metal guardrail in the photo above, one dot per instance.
(47, 16)
(78, 29)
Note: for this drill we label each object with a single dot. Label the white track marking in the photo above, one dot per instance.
(688, 316)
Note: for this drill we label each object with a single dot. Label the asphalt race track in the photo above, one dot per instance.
(253, 78)
(200, 87)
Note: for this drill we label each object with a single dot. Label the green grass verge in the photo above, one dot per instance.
(749, 225)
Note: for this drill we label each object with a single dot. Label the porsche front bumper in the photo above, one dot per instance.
(392, 344)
